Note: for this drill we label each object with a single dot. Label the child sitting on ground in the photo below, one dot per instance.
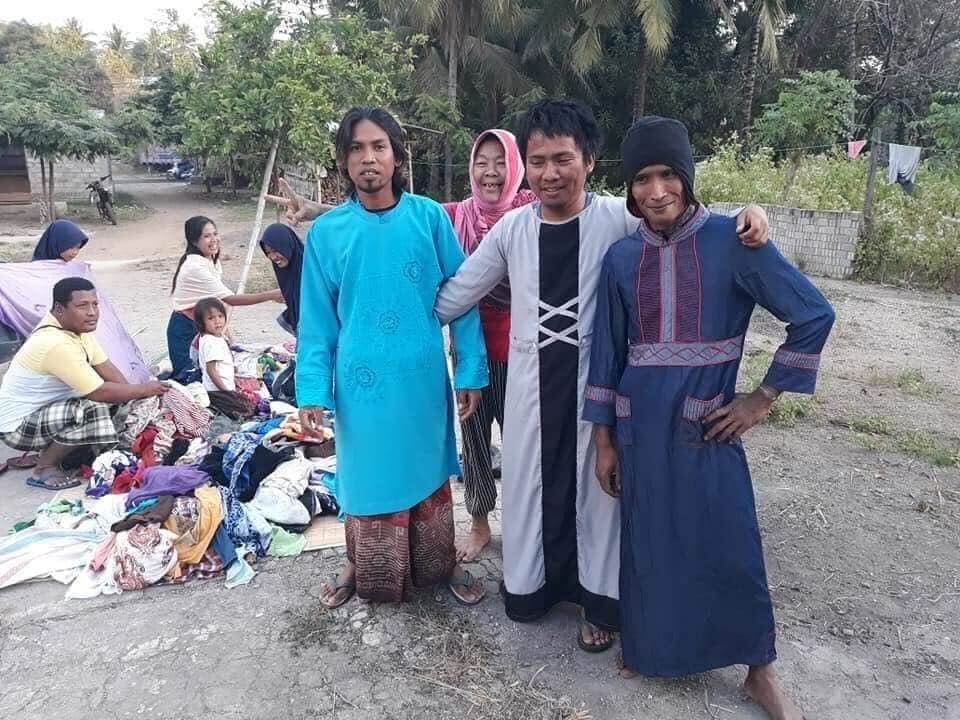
(216, 361)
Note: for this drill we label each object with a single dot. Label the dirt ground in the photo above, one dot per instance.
(859, 502)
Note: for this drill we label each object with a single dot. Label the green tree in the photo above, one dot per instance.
(459, 33)
(117, 40)
(19, 37)
(768, 17)
(72, 37)
(252, 86)
(813, 110)
(44, 110)
(944, 123)
(169, 45)
(657, 20)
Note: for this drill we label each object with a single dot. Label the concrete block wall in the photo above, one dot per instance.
(70, 177)
(820, 242)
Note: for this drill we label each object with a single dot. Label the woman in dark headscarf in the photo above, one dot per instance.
(283, 247)
(61, 240)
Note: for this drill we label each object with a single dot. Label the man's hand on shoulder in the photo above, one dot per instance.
(753, 226)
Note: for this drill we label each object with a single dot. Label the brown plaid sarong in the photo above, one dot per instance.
(75, 421)
(397, 552)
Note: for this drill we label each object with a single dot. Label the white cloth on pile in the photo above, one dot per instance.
(40, 553)
(280, 408)
(276, 498)
(245, 364)
(195, 391)
(278, 507)
(290, 477)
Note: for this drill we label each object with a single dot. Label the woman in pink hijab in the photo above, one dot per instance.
(496, 172)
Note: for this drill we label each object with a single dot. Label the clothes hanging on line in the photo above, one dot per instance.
(904, 162)
(854, 148)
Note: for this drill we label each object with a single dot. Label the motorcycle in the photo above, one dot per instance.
(103, 199)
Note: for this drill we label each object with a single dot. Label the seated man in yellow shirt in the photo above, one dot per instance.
(57, 394)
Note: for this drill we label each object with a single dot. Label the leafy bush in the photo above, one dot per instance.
(916, 236)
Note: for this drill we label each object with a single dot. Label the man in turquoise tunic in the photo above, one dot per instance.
(371, 349)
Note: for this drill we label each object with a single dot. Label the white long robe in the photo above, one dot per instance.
(514, 247)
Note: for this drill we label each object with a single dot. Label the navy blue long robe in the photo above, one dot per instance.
(667, 343)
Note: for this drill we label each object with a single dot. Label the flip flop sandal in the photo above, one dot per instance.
(583, 644)
(24, 462)
(466, 581)
(54, 480)
(350, 585)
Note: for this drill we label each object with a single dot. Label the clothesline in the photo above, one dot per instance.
(608, 161)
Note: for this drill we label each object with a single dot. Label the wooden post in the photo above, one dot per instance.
(410, 165)
(113, 183)
(258, 223)
(871, 183)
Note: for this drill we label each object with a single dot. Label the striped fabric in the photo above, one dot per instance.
(33, 553)
(397, 552)
(479, 485)
(76, 421)
(191, 419)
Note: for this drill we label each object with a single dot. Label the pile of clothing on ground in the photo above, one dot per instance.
(187, 494)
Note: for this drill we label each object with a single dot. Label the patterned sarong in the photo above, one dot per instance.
(75, 421)
(395, 553)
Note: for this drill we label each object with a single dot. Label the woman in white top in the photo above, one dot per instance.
(199, 275)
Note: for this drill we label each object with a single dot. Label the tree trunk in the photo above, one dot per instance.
(640, 82)
(453, 67)
(751, 86)
(43, 177)
(53, 208)
(434, 158)
(795, 159)
(854, 60)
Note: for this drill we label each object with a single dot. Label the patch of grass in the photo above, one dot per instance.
(910, 381)
(126, 208)
(870, 424)
(789, 407)
(929, 448)
(879, 434)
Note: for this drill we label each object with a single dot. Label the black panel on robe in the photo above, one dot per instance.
(559, 363)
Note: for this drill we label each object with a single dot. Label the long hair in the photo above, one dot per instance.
(193, 231)
(555, 117)
(386, 122)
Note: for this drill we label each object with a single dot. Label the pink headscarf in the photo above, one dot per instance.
(475, 216)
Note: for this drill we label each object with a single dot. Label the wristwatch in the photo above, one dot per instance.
(770, 393)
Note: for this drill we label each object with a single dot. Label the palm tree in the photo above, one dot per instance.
(657, 20)
(117, 40)
(72, 36)
(461, 29)
(767, 15)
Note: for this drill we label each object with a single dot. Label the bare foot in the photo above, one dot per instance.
(625, 672)
(335, 594)
(764, 689)
(469, 549)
